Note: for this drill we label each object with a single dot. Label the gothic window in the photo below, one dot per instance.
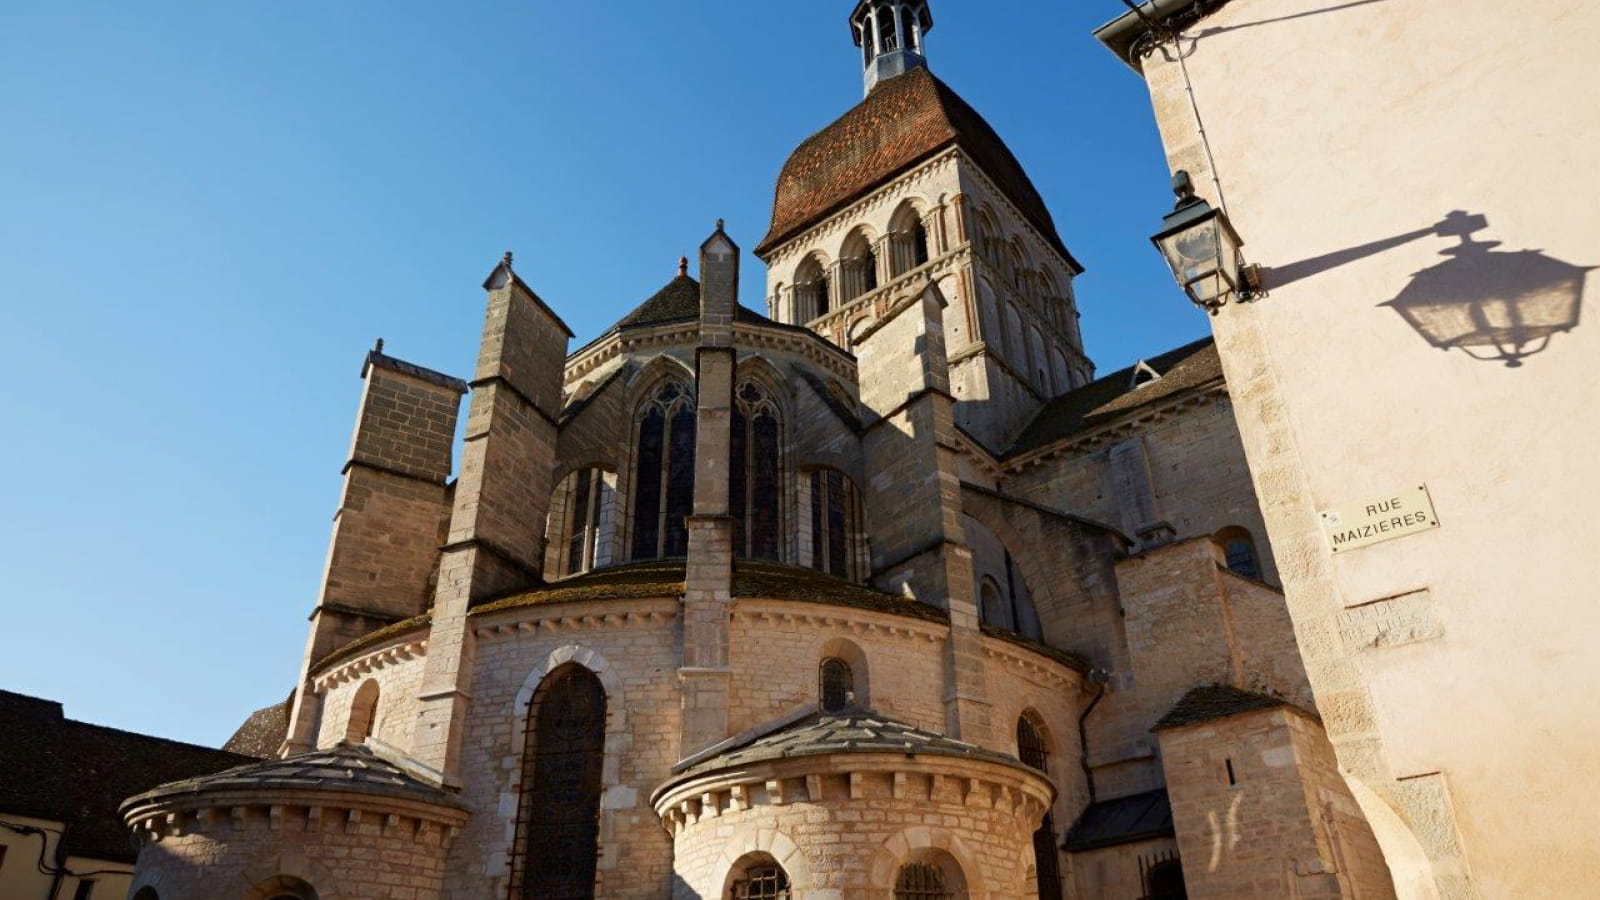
(755, 452)
(663, 481)
(837, 689)
(1239, 552)
(1163, 879)
(363, 712)
(835, 524)
(558, 823)
(1047, 864)
(811, 295)
(760, 879)
(582, 515)
(921, 881)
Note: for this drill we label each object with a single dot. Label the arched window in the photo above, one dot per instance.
(758, 877)
(837, 688)
(363, 712)
(921, 881)
(558, 821)
(1047, 864)
(811, 294)
(989, 242)
(582, 521)
(1239, 551)
(663, 478)
(908, 240)
(993, 606)
(147, 893)
(754, 467)
(1164, 881)
(835, 520)
(858, 267)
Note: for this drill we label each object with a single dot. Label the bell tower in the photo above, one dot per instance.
(890, 34)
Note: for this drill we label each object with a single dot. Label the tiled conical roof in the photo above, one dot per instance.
(345, 768)
(902, 122)
(852, 731)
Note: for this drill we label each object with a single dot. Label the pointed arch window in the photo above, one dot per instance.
(582, 517)
(754, 470)
(835, 524)
(1032, 751)
(558, 821)
(663, 478)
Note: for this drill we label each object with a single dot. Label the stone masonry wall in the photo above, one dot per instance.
(1261, 811)
(371, 857)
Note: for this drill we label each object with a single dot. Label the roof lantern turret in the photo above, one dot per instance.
(890, 34)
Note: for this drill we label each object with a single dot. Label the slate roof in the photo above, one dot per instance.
(1124, 820)
(679, 301)
(52, 767)
(902, 122)
(263, 732)
(1112, 396)
(343, 768)
(855, 731)
(1216, 701)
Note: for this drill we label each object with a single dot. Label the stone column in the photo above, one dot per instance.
(496, 540)
(708, 583)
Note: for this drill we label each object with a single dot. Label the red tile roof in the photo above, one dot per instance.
(902, 122)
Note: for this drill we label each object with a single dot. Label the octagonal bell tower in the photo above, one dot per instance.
(890, 34)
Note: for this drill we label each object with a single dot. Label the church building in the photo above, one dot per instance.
(881, 594)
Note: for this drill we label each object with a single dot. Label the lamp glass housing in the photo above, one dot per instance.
(1202, 249)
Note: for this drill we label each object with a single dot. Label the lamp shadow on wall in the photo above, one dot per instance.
(1493, 305)
(1313, 12)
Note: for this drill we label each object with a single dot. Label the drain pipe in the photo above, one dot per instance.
(1099, 678)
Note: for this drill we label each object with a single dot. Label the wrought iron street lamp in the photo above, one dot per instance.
(1202, 249)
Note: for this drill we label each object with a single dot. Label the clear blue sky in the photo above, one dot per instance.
(208, 211)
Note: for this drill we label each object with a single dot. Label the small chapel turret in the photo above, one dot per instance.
(890, 34)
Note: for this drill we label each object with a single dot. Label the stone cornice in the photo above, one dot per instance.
(231, 812)
(581, 615)
(686, 335)
(947, 782)
(404, 647)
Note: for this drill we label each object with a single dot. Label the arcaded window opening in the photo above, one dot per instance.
(908, 240)
(755, 468)
(558, 821)
(663, 482)
(812, 295)
(858, 267)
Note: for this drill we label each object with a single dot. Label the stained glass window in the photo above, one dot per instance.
(754, 471)
(835, 523)
(663, 479)
(559, 818)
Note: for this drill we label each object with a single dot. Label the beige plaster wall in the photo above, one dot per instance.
(19, 872)
(1341, 133)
